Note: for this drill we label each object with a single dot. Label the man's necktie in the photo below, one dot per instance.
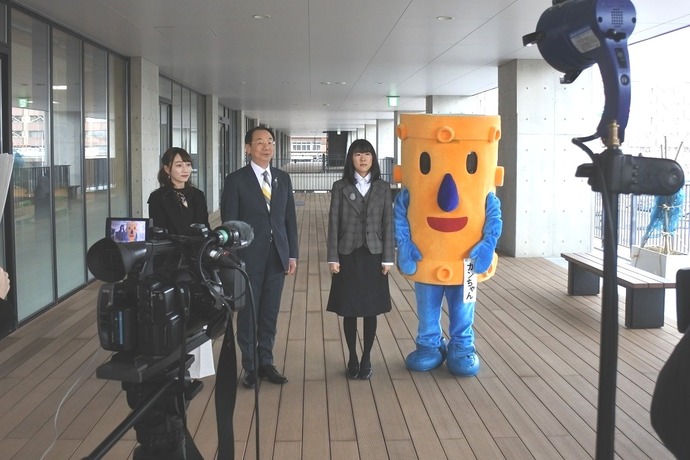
(266, 189)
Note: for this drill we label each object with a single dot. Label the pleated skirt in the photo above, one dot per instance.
(360, 289)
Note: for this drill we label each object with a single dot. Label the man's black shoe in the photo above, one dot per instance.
(271, 374)
(249, 380)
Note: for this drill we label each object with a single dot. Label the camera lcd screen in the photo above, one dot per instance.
(126, 229)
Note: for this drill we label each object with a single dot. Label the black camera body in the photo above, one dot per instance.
(149, 318)
(164, 296)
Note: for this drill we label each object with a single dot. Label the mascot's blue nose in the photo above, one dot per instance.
(448, 198)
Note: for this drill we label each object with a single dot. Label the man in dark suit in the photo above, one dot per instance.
(262, 197)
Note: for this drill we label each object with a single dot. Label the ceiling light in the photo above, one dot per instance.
(338, 131)
(393, 101)
(445, 18)
(261, 16)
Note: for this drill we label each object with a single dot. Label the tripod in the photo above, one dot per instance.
(161, 429)
(158, 417)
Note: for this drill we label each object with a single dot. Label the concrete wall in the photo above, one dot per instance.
(546, 209)
(145, 133)
(385, 138)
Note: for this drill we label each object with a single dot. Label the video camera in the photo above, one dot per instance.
(165, 295)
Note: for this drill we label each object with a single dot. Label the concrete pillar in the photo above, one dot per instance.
(546, 209)
(385, 138)
(145, 133)
(370, 133)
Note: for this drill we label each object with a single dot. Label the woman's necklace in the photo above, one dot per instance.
(182, 199)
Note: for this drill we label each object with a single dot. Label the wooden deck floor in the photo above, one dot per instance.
(535, 396)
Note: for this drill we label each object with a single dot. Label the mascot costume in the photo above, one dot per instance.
(447, 223)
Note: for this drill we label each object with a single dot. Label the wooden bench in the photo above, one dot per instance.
(644, 291)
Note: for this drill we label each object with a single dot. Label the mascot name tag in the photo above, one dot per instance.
(470, 282)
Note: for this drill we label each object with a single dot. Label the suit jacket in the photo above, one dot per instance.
(167, 212)
(345, 220)
(243, 200)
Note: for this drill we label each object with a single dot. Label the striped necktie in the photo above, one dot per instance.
(266, 189)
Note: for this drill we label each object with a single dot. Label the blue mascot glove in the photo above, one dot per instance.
(408, 254)
(483, 252)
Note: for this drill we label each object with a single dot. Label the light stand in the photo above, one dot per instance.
(608, 343)
(612, 173)
(572, 35)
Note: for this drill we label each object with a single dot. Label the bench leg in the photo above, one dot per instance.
(581, 282)
(644, 308)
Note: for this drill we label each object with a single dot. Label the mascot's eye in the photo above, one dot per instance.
(425, 163)
(472, 162)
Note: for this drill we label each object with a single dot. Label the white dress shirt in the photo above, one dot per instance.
(363, 184)
(259, 172)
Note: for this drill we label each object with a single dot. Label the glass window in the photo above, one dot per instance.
(185, 117)
(177, 116)
(96, 152)
(198, 113)
(33, 192)
(67, 135)
(165, 88)
(182, 121)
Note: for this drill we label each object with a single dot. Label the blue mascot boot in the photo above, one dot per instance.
(462, 361)
(426, 358)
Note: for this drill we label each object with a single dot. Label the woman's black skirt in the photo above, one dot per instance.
(360, 289)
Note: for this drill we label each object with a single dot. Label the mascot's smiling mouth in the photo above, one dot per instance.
(447, 224)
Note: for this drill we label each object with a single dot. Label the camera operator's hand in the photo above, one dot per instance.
(4, 283)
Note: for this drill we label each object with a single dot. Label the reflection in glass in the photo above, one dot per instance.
(96, 154)
(182, 122)
(68, 196)
(33, 193)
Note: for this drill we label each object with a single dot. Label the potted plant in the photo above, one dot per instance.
(666, 214)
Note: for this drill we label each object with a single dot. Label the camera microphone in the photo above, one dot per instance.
(233, 234)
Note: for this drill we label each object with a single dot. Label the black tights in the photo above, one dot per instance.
(350, 330)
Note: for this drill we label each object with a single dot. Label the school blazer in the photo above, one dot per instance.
(345, 222)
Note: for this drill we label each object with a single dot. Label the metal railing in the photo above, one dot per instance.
(634, 214)
(319, 175)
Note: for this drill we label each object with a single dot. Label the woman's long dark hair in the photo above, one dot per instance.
(361, 146)
(167, 160)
